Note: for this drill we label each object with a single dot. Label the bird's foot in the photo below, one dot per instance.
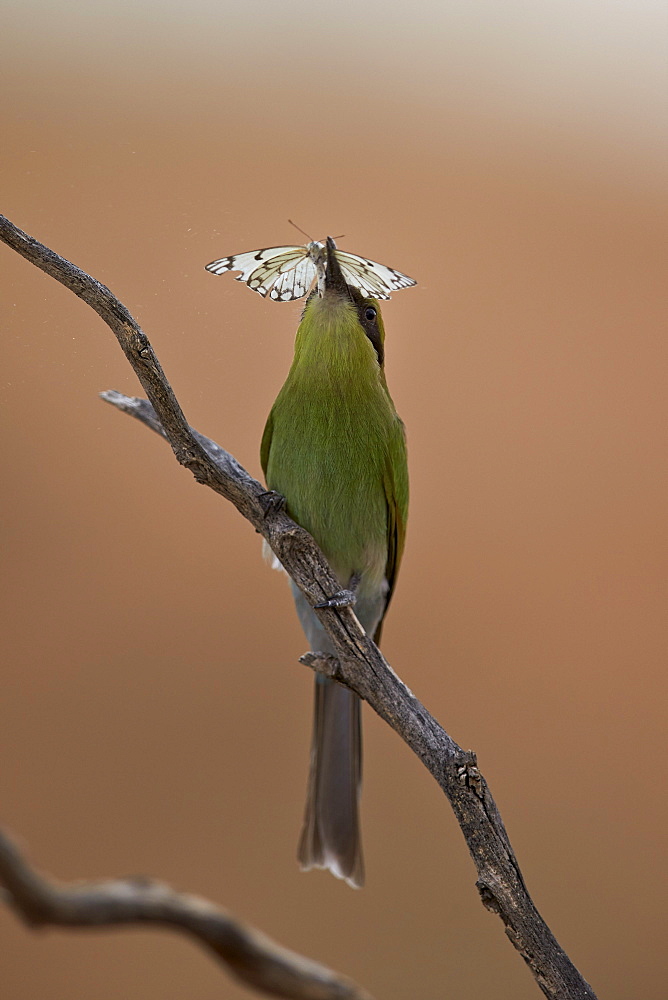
(271, 502)
(341, 599)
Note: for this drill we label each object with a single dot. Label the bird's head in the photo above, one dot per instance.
(335, 301)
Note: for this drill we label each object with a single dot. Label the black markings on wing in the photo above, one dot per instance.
(376, 280)
(281, 272)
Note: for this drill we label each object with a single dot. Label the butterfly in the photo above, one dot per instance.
(287, 273)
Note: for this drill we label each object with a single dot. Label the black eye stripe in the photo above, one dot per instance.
(369, 320)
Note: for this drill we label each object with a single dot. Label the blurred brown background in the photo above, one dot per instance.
(153, 717)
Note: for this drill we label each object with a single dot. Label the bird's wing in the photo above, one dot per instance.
(265, 447)
(395, 483)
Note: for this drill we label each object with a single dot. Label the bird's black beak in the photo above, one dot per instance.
(334, 280)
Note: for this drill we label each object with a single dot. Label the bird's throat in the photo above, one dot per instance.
(331, 343)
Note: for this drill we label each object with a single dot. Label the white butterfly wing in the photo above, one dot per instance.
(294, 283)
(283, 273)
(373, 279)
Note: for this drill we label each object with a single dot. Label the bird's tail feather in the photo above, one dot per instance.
(331, 833)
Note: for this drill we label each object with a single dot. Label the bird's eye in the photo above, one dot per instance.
(370, 314)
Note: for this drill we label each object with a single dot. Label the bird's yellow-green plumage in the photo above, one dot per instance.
(335, 448)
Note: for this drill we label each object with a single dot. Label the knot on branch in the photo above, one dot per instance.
(191, 458)
(489, 898)
(469, 775)
(325, 664)
(140, 345)
(289, 541)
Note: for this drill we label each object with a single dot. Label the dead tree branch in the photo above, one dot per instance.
(247, 954)
(360, 665)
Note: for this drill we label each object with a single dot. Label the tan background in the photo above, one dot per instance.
(153, 718)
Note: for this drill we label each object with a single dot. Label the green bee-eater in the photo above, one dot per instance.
(335, 448)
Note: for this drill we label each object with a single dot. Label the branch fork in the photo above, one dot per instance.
(360, 665)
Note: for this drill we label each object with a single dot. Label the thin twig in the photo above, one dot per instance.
(361, 665)
(247, 954)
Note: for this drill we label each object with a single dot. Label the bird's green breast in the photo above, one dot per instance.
(330, 439)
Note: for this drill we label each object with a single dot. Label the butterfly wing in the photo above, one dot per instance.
(375, 280)
(283, 273)
(293, 283)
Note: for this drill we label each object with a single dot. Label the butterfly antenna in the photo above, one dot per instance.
(309, 238)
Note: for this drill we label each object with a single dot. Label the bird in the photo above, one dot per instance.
(335, 448)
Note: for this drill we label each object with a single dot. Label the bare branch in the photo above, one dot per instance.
(361, 665)
(247, 954)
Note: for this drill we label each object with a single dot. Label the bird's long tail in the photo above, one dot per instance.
(331, 835)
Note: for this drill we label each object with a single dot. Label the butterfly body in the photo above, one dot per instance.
(287, 273)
